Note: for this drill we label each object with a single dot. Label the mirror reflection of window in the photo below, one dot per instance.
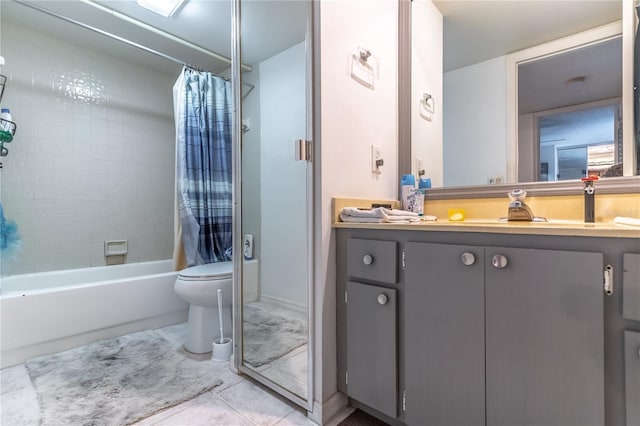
(569, 105)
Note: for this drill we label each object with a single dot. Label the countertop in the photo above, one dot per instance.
(559, 227)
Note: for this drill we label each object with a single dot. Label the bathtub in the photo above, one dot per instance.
(49, 312)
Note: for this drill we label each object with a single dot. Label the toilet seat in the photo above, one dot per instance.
(207, 272)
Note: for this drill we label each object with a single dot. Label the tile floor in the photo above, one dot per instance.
(238, 401)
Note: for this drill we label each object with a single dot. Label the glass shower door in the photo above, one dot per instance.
(276, 190)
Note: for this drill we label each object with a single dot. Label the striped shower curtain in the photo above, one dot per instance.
(202, 104)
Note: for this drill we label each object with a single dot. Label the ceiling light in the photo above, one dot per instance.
(165, 8)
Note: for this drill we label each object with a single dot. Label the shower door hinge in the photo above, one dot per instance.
(608, 280)
(404, 261)
(404, 400)
(304, 148)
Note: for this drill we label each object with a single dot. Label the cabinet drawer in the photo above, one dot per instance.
(632, 376)
(372, 260)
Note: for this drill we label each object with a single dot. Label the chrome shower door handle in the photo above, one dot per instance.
(499, 261)
(303, 150)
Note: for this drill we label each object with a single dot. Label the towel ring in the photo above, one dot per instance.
(364, 54)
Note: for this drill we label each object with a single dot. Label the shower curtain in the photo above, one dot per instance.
(203, 113)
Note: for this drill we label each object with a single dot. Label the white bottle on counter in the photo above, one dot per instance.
(5, 114)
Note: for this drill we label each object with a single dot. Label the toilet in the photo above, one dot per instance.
(199, 286)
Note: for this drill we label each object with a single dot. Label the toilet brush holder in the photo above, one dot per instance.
(222, 349)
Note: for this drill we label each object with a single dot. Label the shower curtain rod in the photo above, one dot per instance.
(132, 43)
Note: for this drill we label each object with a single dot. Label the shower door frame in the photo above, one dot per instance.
(312, 105)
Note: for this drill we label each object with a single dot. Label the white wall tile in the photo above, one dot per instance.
(93, 158)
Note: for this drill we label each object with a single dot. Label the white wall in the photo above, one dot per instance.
(475, 123)
(426, 77)
(352, 118)
(283, 214)
(93, 156)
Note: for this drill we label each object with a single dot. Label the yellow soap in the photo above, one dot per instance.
(457, 215)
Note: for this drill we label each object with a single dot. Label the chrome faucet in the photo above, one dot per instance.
(519, 211)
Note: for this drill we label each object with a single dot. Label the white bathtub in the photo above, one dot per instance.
(53, 311)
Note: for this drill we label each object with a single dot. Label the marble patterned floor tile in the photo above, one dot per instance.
(207, 409)
(20, 408)
(158, 417)
(228, 377)
(295, 418)
(255, 403)
(14, 379)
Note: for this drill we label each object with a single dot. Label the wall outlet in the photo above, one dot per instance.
(420, 171)
(376, 159)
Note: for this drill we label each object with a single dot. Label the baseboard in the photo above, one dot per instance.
(323, 412)
(285, 303)
(20, 355)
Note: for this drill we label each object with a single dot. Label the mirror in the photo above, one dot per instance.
(484, 44)
(276, 190)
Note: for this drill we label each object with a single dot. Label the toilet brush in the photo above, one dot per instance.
(221, 347)
(220, 315)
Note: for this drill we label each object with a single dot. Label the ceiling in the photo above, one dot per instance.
(268, 27)
(478, 30)
(596, 71)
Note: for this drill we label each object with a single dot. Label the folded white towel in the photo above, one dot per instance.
(620, 220)
(355, 219)
(377, 215)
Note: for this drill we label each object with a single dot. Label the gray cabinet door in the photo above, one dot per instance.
(544, 338)
(444, 335)
(631, 286)
(371, 346)
(632, 376)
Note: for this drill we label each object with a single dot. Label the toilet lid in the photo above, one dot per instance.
(208, 271)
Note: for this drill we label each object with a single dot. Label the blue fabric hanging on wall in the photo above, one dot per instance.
(205, 167)
(9, 238)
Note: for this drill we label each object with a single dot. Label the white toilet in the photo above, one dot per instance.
(199, 286)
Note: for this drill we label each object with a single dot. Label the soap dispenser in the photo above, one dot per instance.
(589, 198)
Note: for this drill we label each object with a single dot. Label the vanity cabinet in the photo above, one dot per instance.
(518, 332)
(535, 342)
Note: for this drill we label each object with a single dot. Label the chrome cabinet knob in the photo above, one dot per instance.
(499, 261)
(367, 259)
(468, 259)
(383, 299)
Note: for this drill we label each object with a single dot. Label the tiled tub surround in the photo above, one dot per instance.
(93, 158)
